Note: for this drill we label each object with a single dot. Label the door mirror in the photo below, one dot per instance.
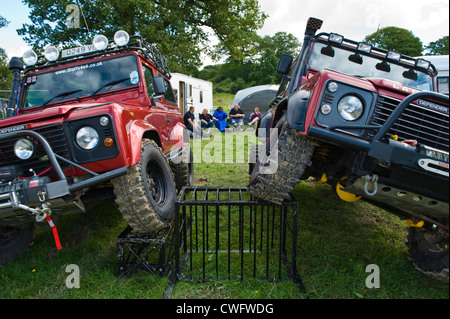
(284, 64)
(159, 86)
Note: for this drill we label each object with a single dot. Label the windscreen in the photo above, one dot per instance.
(367, 67)
(81, 80)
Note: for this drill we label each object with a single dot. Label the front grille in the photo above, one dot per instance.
(54, 134)
(426, 126)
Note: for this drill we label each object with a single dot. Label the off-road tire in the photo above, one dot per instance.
(14, 241)
(294, 155)
(427, 256)
(146, 194)
(183, 172)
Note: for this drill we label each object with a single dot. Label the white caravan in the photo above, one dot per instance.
(441, 63)
(194, 92)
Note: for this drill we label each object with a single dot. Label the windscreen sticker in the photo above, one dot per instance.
(32, 79)
(134, 77)
(79, 68)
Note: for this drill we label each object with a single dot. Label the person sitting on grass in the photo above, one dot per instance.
(206, 120)
(236, 116)
(254, 117)
(220, 115)
(189, 120)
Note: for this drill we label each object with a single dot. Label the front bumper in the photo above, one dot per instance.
(23, 200)
(410, 166)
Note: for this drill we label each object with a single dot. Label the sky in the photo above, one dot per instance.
(426, 19)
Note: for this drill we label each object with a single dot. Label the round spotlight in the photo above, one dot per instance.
(121, 38)
(51, 53)
(29, 58)
(100, 42)
(23, 148)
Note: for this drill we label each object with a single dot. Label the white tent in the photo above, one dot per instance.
(257, 96)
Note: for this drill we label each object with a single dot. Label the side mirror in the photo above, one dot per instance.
(284, 64)
(159, 86)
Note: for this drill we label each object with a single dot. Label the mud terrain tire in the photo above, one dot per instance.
(294, 155)
(14, 241)
(183, 172)
(146, 194)
(429, 253)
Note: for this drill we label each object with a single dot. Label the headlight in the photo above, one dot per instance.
(24, 148)
(87, 138)
(350, 108)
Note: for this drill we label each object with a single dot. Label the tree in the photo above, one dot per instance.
(258, 66)
(396, 39)
(5, 73)
(179, 28)
(270, 50)
(438, 47)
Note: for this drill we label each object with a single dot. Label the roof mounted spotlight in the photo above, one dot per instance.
(364, 47)
(336, 38)
(29, 58)
(121, 38)
(423, 64)
(100, 42)
(394, 56)
(51, 53)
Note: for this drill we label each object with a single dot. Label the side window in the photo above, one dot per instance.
(149, 80)
(169, 93)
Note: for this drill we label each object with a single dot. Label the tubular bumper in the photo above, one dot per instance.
(19, 194)
(375, 148)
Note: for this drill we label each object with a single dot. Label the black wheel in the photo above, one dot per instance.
(274, 175)
(184, 171)
(146, 195)
(14, 241)
(428, 250)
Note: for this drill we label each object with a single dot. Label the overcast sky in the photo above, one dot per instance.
(427, 19)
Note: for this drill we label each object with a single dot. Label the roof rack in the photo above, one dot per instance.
(137, 43)
(379, 53)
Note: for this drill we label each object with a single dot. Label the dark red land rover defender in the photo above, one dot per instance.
(370, 123)
(83, 122)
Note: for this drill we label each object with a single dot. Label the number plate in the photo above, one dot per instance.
(78, 50)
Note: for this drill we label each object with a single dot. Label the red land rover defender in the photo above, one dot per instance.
(80, 119)
(370, 123)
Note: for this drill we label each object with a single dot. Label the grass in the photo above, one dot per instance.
(336, 242)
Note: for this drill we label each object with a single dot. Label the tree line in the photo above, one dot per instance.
(181, 29)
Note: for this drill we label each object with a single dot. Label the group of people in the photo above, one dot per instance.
(219, 119)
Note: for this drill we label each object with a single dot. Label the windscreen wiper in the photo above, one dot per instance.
(61, 95)
(111, 83)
